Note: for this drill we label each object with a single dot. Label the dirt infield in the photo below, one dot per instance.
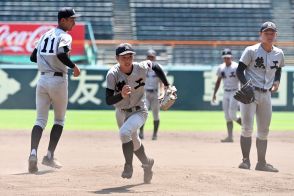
(186, 163)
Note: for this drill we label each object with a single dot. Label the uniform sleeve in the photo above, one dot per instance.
(246, 56)
(110, 81)
(147, 65)
(282, 64)
(65, 40)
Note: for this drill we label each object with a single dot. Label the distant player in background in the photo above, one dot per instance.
(153, 87)
(227, 72)
(52, 57)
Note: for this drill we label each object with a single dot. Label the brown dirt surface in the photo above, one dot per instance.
(186, 163)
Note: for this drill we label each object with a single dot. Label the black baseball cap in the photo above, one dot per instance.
(151, 52)
(227, 52)
(67, 12)
(268, 25)
(124, 48)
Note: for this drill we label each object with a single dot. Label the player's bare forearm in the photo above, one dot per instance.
(217, 84)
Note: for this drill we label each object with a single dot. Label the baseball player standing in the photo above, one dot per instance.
(227, 72)
(152, 88)
(52, 56)
(262, 64)
(125, 90)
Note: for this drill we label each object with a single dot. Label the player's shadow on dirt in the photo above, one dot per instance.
(37, 173)
(119, 189)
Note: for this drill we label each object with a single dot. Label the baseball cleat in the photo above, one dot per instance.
(245, 164)
(148, 174)
(265, 167)
(51, 162)
(33, 164)
(128, 171)
(227, 139)
(154, 137)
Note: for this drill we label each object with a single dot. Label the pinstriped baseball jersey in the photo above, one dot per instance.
(262, 65)
(228, 75)
(137, 79)
(50, 44)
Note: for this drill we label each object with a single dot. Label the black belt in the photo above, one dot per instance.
(151, 90)
(55, 74)
(229, 90)
(133, 109)
(261, 89)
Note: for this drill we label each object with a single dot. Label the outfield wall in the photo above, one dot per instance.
(195, 87)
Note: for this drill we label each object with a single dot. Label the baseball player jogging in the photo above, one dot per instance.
(125, 90)
(52, 56)
(262, 64)
(152, 88)
(227, 72)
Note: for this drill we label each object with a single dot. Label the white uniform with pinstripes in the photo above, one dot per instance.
(130, 122)
(52, 89)
(261, 68)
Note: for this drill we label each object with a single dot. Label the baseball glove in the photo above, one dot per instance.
(169, 97)
(245, 94)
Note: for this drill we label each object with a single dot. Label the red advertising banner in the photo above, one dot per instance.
(20, 38)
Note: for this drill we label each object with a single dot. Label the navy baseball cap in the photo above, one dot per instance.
(124, 48)
(67, 12)
(151, 52)
(268, 25)
(227, 52)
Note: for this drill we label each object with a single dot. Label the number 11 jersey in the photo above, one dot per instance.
(53, 42)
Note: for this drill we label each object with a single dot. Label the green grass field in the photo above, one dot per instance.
(102, 120)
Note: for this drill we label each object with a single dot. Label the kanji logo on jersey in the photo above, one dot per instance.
(275, 66)
(259, 63)
(140, 83)
(232, 75)
(120, 85)
(223, 74)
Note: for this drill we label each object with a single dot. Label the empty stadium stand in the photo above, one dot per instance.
(97, 12)
(214, 20)
(199, 20)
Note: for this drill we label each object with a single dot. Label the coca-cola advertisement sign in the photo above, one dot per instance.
(21, 38)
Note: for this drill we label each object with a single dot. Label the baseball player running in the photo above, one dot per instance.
(152, 87)
(52, 56)
(125, 90)
(227, 72)
(262, 64)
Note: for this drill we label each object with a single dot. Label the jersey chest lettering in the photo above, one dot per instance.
(228, 74)
(232, 74)
(137, 84)
(260, 63)
(119, 86)
(275, 65)
(140, 83)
